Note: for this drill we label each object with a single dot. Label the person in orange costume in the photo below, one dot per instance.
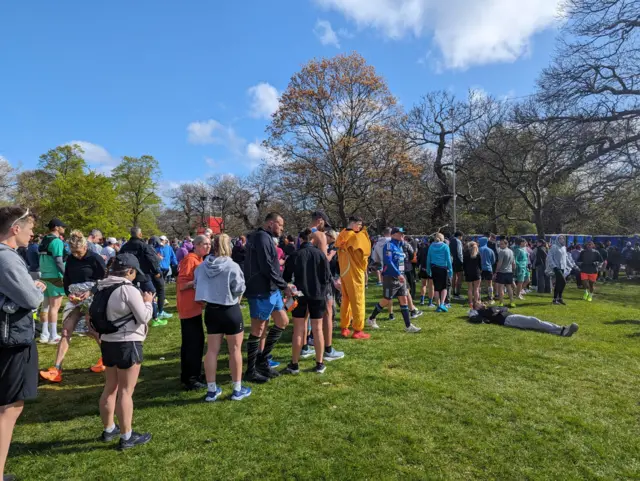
(354, 249)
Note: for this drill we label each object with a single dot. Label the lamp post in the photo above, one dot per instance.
(453, 161)
(203, 199)
(220, 200)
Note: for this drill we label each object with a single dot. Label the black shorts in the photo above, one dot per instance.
(392, 287)
(457, 266)
(315, 308)
(18, 374)
(422, 274)
(440, 277)
(122, 355)
(472, 276)
(505, 278)
(487, 276)
(223, 319)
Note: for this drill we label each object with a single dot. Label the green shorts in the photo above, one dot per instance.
(522, 275)
(52, 289)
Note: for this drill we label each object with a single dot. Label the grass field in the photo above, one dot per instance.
(457, 401)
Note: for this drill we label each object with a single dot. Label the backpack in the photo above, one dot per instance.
(98, 312)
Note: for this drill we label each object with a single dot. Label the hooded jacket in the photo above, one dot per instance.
(146, 256)
(455, 245)
(184, 250)
(16, 285)
(439, 255)
(378, 254)
(219, 280)
(261, 265)
(309, 268)
(487, 256)
(559, 259)
(168, 257)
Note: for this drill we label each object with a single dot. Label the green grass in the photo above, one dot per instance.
(457, 401)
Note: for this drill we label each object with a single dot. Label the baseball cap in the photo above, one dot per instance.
(397, 230)
(55, 222)
(163, 238)
(126, 261)
(111, 240)
(321, 215)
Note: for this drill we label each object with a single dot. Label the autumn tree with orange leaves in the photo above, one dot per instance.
(331, 133)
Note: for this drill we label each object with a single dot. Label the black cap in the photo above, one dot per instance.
(126, 261)
(56, 223)
(321, 215)
(397, 230)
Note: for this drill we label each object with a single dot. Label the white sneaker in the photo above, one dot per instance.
(43, 340)
(412, 329)
(372, 324)
(521, 297)
(55, 340)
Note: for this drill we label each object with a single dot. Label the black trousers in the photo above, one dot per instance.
(560, 284)
(410, 276)
(192, 348)
(158, 283)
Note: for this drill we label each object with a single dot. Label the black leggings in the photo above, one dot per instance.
(158, 283)
(191, 349)
(561, 283)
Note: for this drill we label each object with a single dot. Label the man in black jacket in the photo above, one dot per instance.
(310, 268)
(150, 266)
(264, 282)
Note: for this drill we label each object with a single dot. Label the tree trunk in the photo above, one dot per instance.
(537, 218)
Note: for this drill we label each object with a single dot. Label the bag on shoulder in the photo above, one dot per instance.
(98, 312)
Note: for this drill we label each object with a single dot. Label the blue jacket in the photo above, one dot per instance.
(487, 256)
(33, 258)
(393, 259)
(439, 255)
(168, 257)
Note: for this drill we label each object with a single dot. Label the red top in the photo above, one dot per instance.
(186, 300)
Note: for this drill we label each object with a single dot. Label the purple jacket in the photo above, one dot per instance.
(184, 250)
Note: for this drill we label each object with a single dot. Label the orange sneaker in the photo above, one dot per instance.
(345, 332)
(98, 367)
(52, 374)
(360, 335)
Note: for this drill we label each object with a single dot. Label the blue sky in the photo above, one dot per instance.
(192, 83)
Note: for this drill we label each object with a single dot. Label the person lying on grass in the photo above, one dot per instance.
(501, 316)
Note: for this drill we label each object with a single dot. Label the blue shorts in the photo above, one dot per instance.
(262, 307)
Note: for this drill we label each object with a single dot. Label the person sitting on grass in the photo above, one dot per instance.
(219, 283)
(122, 350)
(502, 317)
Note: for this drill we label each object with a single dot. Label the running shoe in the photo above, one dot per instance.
(345, 332)
(392, 317)
(255, 377)
(432, 306)
(378, 284)
(360, 335)
(307, 353)
(136, 439)
(273, 364)
(586, 295)
(372, 324)
(106, 437)
(267, 372)
(291, 369)
(416, 313)
(165, 315)
(52, 374)
(570, 330)
(240, 394)
(521, 297)
(442, 308)
(590, 298)
(412, 329)
(194, 384)
(55, 340)
(561, 301)
(43, 340)
(159, 322)
(320, 368)
(512, 305)
(213, 396)
(98, 367)
(333, 355)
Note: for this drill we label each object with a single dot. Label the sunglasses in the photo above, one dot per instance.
(24, 216)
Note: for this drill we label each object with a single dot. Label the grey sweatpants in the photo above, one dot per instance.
(533, 324)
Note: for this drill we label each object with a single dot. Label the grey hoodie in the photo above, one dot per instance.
(15, 282)
(219, 280)
(558, 258)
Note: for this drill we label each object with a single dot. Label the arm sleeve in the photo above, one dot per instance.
(18, 286)
(429, 262)
(174, 260)
(268, 268)
(449, 264)
(59, 264)
(142, 311)
(100, 269)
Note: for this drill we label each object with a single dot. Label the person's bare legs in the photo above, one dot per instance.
(211, 358)
(510, 292)
(477, 293)
(109, 397)
(68, 327)
(423, 290)
(500, 292)
(471, 294)
(327, 327)
(127, 379)
(431, 288)
(54, 309)
(234, 344)
(9, 414)
(318, 336)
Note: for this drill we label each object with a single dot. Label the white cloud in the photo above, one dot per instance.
(264, 100)
(467, 32)
(97, 156)
(211, 162)
(325, 33)
(213, 132)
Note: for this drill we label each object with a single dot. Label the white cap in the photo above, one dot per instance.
(164, 238)
(112, 240)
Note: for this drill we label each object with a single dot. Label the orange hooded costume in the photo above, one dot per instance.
(354, 249)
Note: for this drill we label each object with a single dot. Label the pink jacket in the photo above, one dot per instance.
(127, 300)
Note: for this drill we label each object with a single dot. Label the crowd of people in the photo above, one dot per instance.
(115, 290)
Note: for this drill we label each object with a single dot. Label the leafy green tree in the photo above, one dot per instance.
(137, 179)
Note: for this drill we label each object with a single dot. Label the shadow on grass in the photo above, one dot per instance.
(59, 447)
